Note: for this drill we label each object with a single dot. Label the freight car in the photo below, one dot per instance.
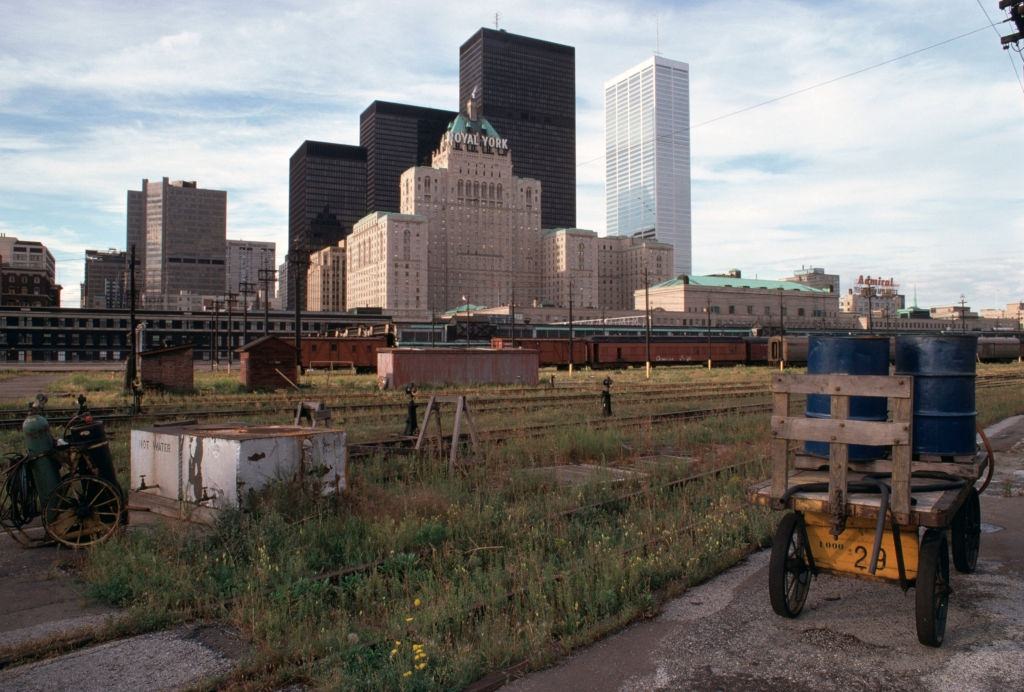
(792, 349)
(619, 351)
(993, 349)
(358, 352)
(552, 352)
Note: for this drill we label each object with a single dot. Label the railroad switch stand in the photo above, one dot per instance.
(411, 425)
(314, 412)
(606, 398)
(461, 413)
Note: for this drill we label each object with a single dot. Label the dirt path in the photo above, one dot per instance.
(852, 634)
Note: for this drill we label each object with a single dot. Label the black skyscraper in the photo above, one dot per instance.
(528, 92)
(327, 194)
(396, 137)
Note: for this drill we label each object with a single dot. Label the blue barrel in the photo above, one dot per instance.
(943, 368)
(848, 355)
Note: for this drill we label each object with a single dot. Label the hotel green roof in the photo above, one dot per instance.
(462, 123)
(736, 282)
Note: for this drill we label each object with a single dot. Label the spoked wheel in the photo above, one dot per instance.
(82, 510)
(966, 533)
(789, 570)
(17, 498)
(932, 597)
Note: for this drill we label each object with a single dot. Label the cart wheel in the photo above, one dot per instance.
(82, 510)
(789, 570)
(932, 588)
(966, 532)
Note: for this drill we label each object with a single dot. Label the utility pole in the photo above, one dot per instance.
(1016, 15)
(215, 352)
(298, 262)
(963, 313)
(246, 289)
(571, 363)
(647, 313)
(266, 276)
(465, 304)
(431, 327)
(782, 313)
(512, 314)
(869, 294)
(129, 367)
(707, 331)
(230, 298)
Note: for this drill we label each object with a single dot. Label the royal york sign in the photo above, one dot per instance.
(475, 139)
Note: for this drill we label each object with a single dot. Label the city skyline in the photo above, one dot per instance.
(900, 171)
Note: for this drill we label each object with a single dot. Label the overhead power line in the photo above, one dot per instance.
(811, 87)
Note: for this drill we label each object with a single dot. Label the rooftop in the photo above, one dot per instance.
(736, 282)
(462, 123)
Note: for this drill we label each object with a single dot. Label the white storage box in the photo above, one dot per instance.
(215, 466)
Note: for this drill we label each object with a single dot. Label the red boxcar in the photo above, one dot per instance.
(359, 352)
(607, 352)
(552, 352)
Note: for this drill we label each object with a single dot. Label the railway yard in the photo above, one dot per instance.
(560, 526)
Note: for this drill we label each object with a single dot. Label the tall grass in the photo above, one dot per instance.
(423, 580)
(482, 568)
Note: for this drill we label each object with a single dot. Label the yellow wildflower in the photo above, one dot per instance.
(417, 603)
(421, 666)
(407, 674)
(408, 619)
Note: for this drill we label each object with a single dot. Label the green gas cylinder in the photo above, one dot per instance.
(44, 468)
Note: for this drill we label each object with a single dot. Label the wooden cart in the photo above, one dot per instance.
(881, 519)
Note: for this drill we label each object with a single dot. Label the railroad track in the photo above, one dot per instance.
(348, 412)
(538, 429)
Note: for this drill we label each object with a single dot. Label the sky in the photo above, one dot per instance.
(908, 170)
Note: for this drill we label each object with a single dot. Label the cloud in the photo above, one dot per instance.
(907, 170)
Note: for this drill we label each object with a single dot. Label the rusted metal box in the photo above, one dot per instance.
(397, 367)
(192, 471)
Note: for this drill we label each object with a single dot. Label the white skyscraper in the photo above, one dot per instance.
(647, 154)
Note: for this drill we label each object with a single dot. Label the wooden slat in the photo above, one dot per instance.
(898, 386)
(933, 509)
(858, 432)
(780, 449)
(838, 454)
(970, 472)
(902, 414)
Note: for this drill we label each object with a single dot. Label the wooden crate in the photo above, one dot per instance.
(840, 432)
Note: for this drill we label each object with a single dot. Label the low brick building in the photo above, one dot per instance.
(169, 368)
(268, 363)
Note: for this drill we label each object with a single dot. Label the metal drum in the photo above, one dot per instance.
(943, 368)
(848, 355)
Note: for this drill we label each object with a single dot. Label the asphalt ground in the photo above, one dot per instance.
(851, 635)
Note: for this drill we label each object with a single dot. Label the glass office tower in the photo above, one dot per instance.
(647, 155)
